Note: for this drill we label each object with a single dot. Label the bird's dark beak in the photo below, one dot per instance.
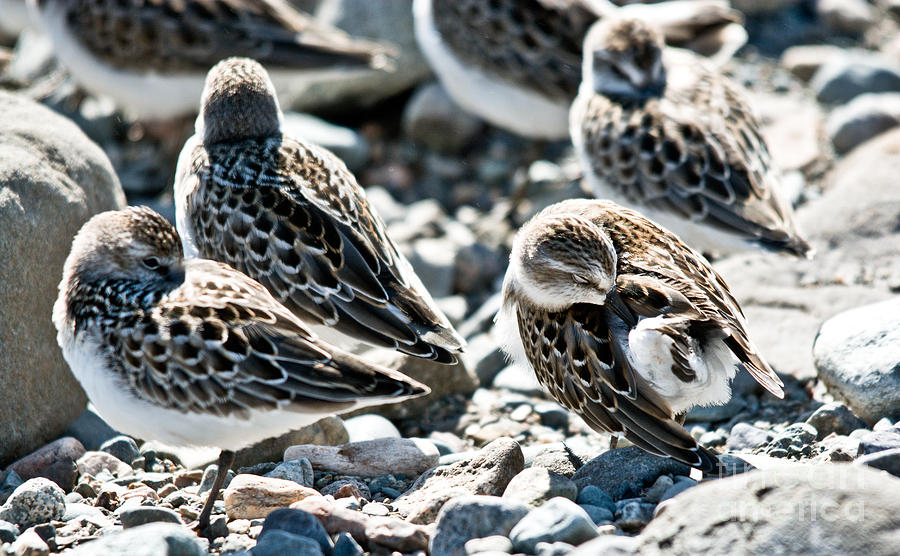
(176, 273)
(617, 305)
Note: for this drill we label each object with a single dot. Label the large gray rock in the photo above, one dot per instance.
(488, 472)
(854, 231)
(849, 76)
(385, 20)
(53, 179)
(858, 357)
(153, 539)
(473, 517)
(625, 472)
(793, 509)
(862, 118)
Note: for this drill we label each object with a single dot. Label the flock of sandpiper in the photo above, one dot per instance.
(213, 334)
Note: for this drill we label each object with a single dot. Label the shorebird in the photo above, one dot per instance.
(661, 131)
(193, 352)
(624, 324)
(291, 215)
(151, 57)
(517, 63)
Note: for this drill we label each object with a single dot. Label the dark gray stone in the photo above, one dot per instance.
(552, 415)
(834, 417)
(10, 482)
(279, 543)
(598, 515)
(142, 515)
(345, 545)
(298, 470)
(861, 119)
(885, 460)
(559, 519)
(8, 532)
(595, 496)
(209, 477)
(879, 441)
(626, 472)
(297, 522)
(153, 539)
(844, 78)
(747, 437)
(473, 517)
(677, 489)
(122, 447)
(795, 440)
(634, 516)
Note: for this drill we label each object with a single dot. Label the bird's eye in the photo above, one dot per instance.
(579, 279)
(151, 262)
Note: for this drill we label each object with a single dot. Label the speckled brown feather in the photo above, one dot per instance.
(695, 152)
(172, 36)
(211, 340)
(576, 352)
(292, 216)
(538, 43)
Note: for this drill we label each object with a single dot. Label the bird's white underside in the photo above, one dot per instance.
(649, 353)
(141, 419)
(502, 103)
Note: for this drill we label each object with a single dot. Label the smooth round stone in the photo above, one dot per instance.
(677, 489)
(473, 517)
(297, 522)
(298, 470)
(279, 543)
(747, 437)
(536, 485)
(856, 352)
(559, 519)
(153, 539)
(34, 502)
(594, 496)
(370, 427)
(8, 532)
(141, 515)
(122, 447)
(598, 515)
(655, 492)
(635, 515)
(494, 543)
(834, 417)
(209, 477)
(345, 545)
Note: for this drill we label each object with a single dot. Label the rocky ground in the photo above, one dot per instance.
(486, 464)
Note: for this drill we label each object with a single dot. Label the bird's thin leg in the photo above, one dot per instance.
(613, 441)
(226, 458)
